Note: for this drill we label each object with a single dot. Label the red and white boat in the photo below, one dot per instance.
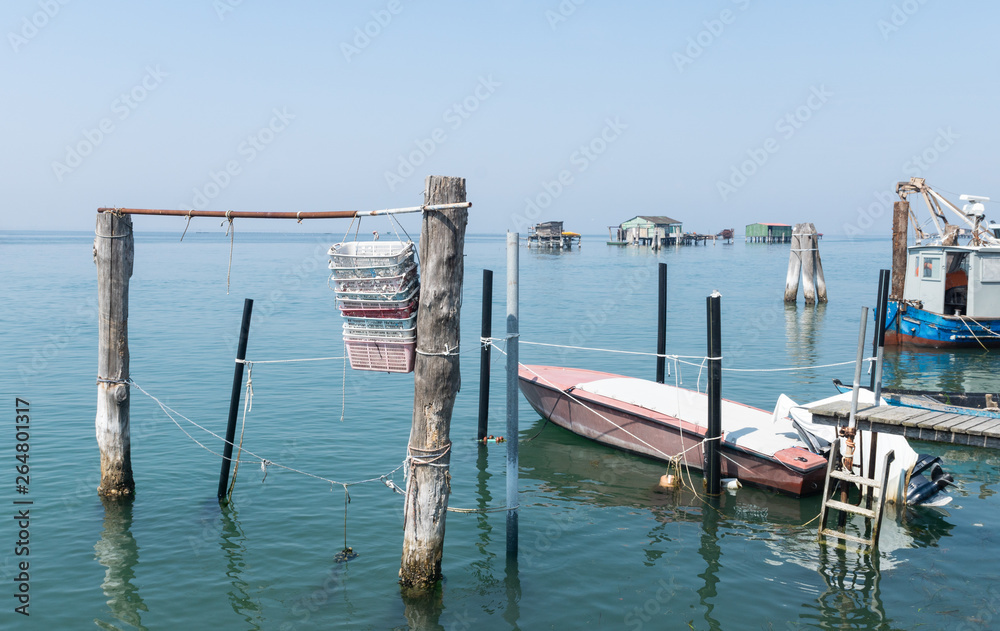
(781, 450)
(663, 421)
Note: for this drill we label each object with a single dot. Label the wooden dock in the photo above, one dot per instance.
(916, 423)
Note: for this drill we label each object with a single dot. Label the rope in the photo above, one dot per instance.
(187, 225)
(247, 406)
(286, 361)
(430, 458)
(974, 336)
(264, 462)
(114, 381)
(982, 326)
(449, 352)
(231, 233)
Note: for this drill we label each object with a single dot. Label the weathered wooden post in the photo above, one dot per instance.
(900, 214)
(794, 266)
(114, 251)
(436, 383)
(804, 257)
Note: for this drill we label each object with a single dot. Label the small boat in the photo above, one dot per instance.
(781, 450)
(951, 294)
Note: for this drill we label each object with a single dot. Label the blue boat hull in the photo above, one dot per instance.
(908, 325)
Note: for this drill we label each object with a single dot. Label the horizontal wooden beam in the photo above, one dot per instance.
(298, 216)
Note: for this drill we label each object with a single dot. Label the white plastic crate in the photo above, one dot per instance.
(381, 356)
(379, 284)
(376, 271)
(379, 334)
(381, 323)
(408, 291)
(369, 253)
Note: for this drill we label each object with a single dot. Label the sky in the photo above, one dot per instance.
(717, 113)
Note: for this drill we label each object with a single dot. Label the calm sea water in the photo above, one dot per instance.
(599, 547)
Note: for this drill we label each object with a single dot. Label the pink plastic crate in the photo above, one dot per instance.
(362, 309)
(381, 356)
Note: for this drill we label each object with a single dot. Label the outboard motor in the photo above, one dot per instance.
(926, 482)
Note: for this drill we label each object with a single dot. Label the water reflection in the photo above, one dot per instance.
(801, 332)
(957, 370)
(711, 553)
(233, 546)
(117, 551)
(853, 597)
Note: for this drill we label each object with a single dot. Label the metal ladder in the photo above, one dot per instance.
(873, 516)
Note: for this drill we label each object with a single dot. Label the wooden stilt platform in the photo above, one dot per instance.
(916, 423)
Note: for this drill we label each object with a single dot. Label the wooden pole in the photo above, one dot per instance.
(713, 461)
(234, 398)
(661, 324)
(513, 326)
(484, 356)
(794, 266)
(820, 279)
(808, 258)
(900, 214)
(114, 251)
(436, 383)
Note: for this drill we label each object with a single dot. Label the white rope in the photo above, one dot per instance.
(677, 358)
(286, 361)
(448, 352)
(982, 326)
(264, 462)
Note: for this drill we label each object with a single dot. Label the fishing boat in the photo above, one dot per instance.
(781, 450)
(951, 293)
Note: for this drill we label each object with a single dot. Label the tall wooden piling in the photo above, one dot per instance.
(436, 383)
(900, 214)
(484, 355)
(794, 265)
(804, 257)
(513, 327)
(713, 461)
(114, 251)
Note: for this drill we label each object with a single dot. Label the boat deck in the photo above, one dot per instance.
(916, 423)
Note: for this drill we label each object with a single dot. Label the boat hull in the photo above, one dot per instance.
(907, 325)
(656, 435)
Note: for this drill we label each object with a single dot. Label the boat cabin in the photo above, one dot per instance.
(954, 280)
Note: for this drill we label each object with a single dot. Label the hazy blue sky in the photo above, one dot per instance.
(717, 113)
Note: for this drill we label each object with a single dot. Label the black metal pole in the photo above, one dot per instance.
(484, 355)
(234, 399)
(713, 462)
(879, 320)
(661, 325)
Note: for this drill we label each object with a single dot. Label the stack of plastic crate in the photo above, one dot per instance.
(377, 288)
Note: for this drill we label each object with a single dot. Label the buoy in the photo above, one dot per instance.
(493, 439)
(668, 481)
(731, 484)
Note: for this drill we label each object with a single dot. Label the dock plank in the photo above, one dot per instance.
(930, 425)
